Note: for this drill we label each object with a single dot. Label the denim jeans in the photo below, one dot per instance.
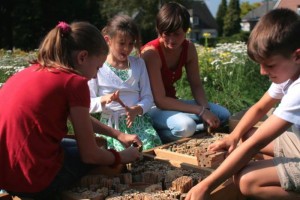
(72, 170)
(173, 125)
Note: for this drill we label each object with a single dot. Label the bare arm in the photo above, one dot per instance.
(266, 133)
(154, 66)
(89, 151)
(251, 117)
(193, 76)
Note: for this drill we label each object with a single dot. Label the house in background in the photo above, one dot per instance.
(250, 20)
(202, 21)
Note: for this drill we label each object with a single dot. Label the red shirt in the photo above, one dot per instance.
(169, 77)
(34, 107)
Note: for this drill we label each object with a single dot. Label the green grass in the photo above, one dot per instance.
(229, 77)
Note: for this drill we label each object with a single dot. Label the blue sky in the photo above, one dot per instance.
(213, 5)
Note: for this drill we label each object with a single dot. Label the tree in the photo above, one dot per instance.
(220, 16)
(6, 39)
(246, 7)
(25, 23)
(144, 13)
(232, 18)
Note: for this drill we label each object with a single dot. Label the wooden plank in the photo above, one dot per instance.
(165, 154)
(185, 151)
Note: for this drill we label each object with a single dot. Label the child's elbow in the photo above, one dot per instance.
(88, 158)
(159, 102)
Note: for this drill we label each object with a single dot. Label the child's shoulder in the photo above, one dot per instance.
(136, 62)
(135, 59)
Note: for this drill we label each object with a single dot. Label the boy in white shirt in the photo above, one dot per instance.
(275, 45)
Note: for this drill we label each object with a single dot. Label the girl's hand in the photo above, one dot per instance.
(226, 144)
(130, 154)
(110, 97)
(212, 120)
(129, 139)
(131, 113)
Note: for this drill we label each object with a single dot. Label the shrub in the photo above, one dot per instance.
(229, 77)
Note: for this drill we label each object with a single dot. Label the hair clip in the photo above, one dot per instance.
(64, 27)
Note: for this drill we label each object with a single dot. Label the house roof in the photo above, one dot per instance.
(258, 12)
(200, 10)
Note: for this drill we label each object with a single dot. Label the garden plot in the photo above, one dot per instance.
(191, 151)
(147, 180)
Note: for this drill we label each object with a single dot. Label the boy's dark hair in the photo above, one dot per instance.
(171, 17)
(276, 33)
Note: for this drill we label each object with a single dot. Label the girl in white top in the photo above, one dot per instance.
(123, 77)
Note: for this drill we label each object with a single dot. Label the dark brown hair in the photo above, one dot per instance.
(60, 45)
(171, 17)
(123, 24)
(276, 33)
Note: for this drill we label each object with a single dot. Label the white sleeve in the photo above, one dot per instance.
(146, 98)
(275, 91)
(289, 107)
(95, 105)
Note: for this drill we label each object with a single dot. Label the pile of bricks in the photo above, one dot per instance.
(143, 180)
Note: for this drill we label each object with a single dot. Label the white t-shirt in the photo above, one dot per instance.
(289, 107)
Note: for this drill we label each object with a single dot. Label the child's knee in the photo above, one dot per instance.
(224, 116)
(185, 129)
(245, 184)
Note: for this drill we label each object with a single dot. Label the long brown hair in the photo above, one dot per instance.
(59, 47)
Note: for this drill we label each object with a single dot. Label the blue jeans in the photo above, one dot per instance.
(173, 125)
(72, 170)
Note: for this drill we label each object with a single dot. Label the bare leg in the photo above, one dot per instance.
(259, 180)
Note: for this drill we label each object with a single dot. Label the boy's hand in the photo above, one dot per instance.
(198, 192)
(226, 144)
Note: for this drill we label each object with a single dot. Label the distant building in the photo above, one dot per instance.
(202, 21)
(250, 20)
